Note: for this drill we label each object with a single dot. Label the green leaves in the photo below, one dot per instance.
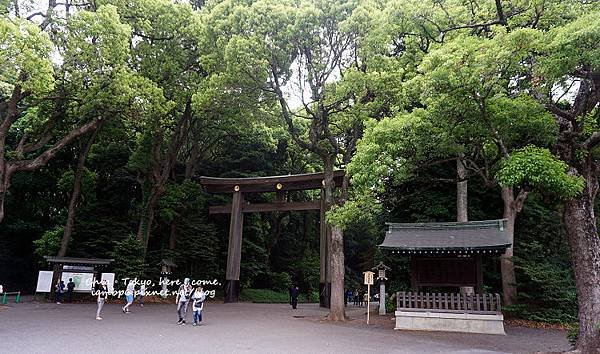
(391, 152)
(571, 47)
(24, 58)
(97, 43)
(536, 168)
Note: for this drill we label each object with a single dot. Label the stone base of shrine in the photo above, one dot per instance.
(450, 322)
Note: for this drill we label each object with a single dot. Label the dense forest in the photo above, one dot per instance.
(111, 110)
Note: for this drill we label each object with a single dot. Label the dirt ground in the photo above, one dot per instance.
(32, 327)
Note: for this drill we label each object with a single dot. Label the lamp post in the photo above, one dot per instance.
(381, 269)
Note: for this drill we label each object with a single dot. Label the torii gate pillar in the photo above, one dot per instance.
(234, 250)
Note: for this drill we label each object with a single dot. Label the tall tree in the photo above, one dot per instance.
(300, 49)
(75, 193)
(479, 77)
(45, 106)
(566, 80)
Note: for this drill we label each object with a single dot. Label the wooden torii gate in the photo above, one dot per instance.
(280, 185)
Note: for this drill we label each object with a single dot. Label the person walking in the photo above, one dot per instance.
(355, 297)
(70, 288)
(129, 296)
(60, 289)
(198, 298)
(294, 292)
(102, 296)
(361, 296)
(182, 299)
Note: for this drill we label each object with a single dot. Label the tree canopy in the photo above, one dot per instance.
(110, 112)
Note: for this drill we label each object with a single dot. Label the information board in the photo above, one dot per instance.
(44, 282)
(83, 281)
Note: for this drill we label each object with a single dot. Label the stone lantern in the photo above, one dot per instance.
(381, 276)
(166, 268)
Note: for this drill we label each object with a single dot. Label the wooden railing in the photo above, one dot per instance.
(453, 302)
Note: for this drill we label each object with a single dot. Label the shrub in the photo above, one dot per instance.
(129, 259)
(49, 243)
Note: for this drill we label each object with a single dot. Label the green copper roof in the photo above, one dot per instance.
(472, 235)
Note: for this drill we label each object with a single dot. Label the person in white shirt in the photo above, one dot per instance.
(102, 296)
(182, 299)
(198, 298)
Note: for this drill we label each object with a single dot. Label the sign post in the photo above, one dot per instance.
(368, 282)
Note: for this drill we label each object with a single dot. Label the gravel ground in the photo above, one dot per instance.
(239, 328)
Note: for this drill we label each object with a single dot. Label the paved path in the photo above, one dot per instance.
(237, 328)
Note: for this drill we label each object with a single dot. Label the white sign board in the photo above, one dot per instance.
(110, 280)
(44, 283)
(368, 277)
(83, 281)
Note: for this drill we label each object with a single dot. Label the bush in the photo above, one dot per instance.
(270, 296)
(281, 282)
(264, 296)
(49, 243)
(390, 305)
(573, 334)
(129, 259)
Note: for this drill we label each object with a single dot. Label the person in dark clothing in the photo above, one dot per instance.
(60, 288)
(294, 292)
(70, 288)
(348, 297)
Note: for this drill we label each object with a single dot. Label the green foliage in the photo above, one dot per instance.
(25, 58)
(270, 296)
(129, 259)
(307, 270)
(421, 81)
(546, 282)
(567, 47)
(281, 281)
(390, 305)
(537, 168)
(49, 243)
(573, 334)
(88, 181)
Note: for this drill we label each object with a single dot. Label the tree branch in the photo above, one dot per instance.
(43, 158)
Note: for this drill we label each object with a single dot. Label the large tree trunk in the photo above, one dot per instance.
(462, 214)
(147, 219)
(512, 206)
(580, 225)
(68, 231)
(336, 249)
(2, 196)
(336, 310)
(173, 235)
